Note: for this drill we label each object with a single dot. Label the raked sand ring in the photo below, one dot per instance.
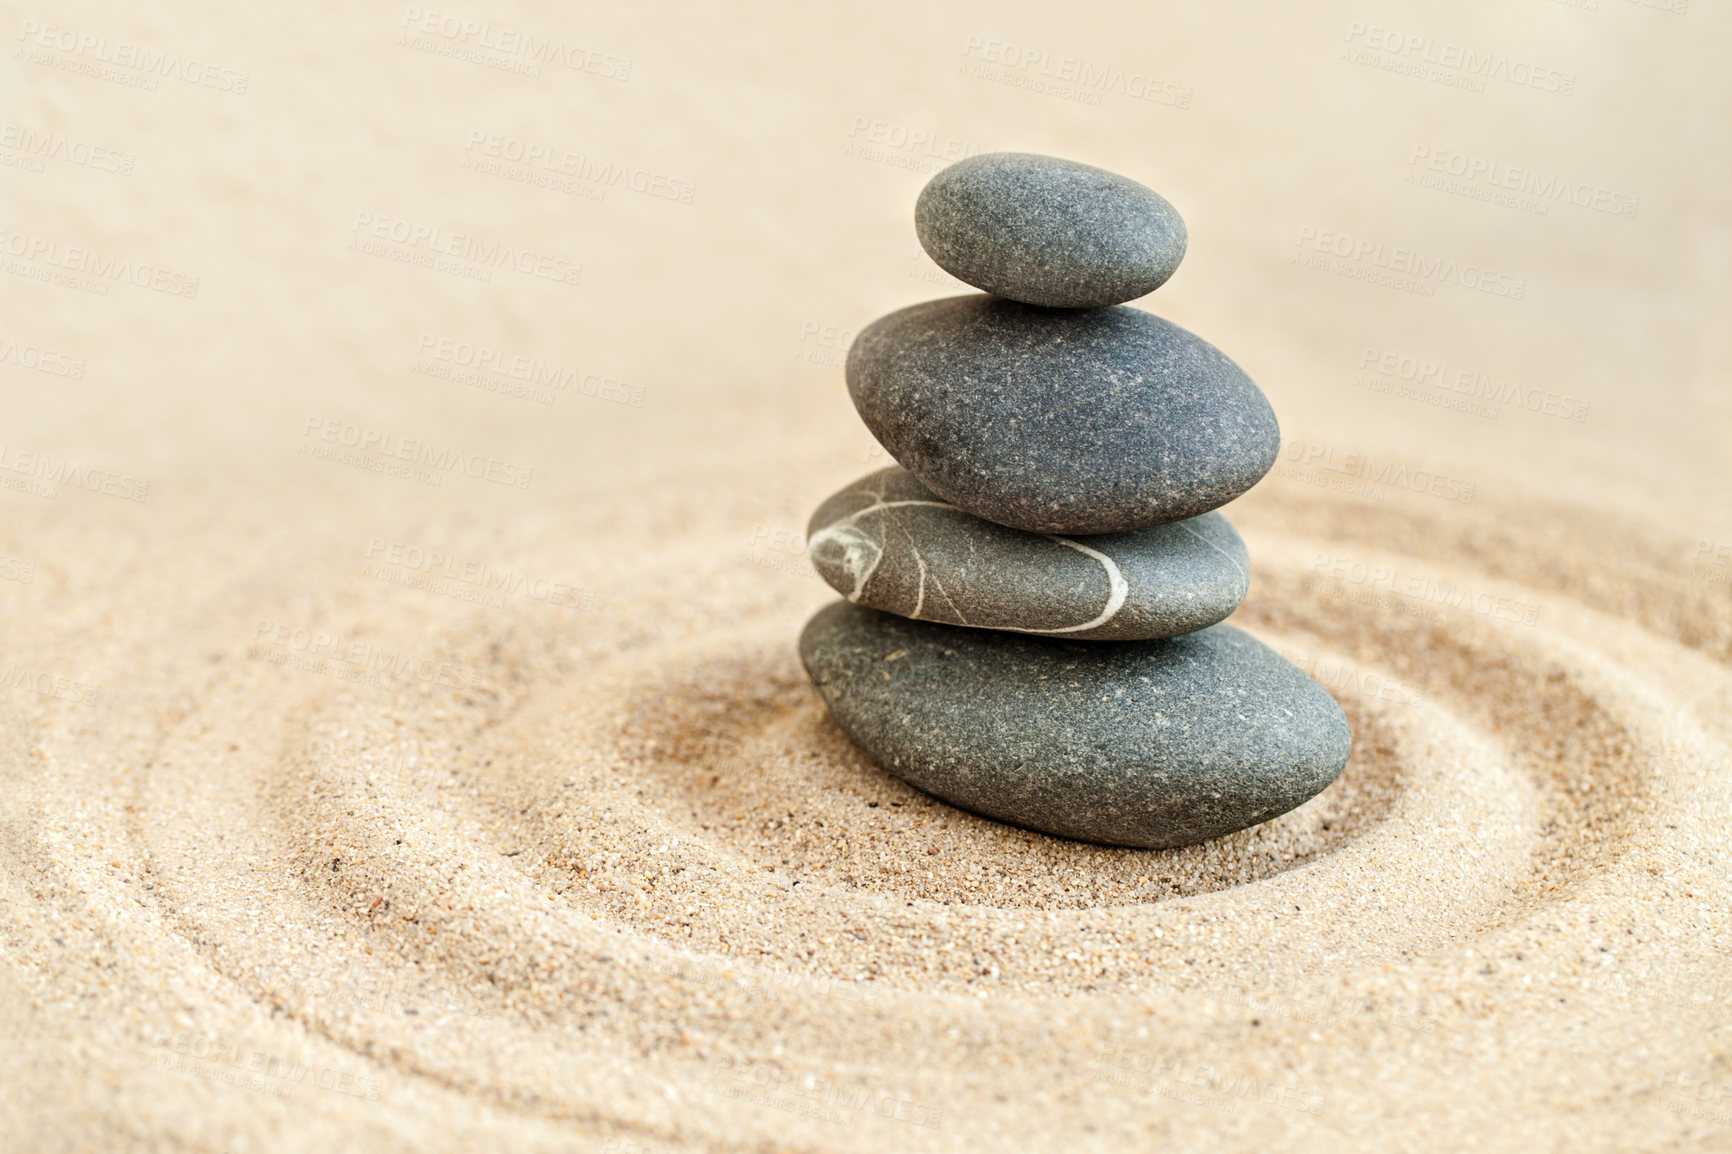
(618, 897)
(659, 714)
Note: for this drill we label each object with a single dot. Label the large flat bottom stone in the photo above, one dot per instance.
(1152, 744)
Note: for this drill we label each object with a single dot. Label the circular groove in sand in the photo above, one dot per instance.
(1517, 780)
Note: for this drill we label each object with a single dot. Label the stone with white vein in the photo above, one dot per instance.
(888, 542)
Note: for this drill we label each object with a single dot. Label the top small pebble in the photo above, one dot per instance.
(1045, 231)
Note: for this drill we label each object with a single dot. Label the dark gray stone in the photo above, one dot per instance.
(1061, 421)
(1046, 231)
(1151, 744)
(889, 542)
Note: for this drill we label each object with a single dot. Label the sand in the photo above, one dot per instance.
(402, 746)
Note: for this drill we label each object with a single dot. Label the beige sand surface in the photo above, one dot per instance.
(348, 809)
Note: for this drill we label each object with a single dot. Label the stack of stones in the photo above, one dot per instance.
(1032, 625)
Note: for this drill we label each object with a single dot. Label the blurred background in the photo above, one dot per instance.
(1485, 241)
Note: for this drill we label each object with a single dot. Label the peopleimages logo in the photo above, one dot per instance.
(534, 373)
(482, 36)
(88, 262)
(86, 47)
(47, 684)
(1361, 258)
(39, 359)
(1483, 178)
(386, 446)
(900, 146)
(824, 344)
(366, 657)
(1069, 77)
(554, 160)
(429, 242)
(1422, 589)
(17, 569)
(1377, 471)
(1470, 383)
(1444, 61)
(40, 146)
(423, 568)
(54, 472)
